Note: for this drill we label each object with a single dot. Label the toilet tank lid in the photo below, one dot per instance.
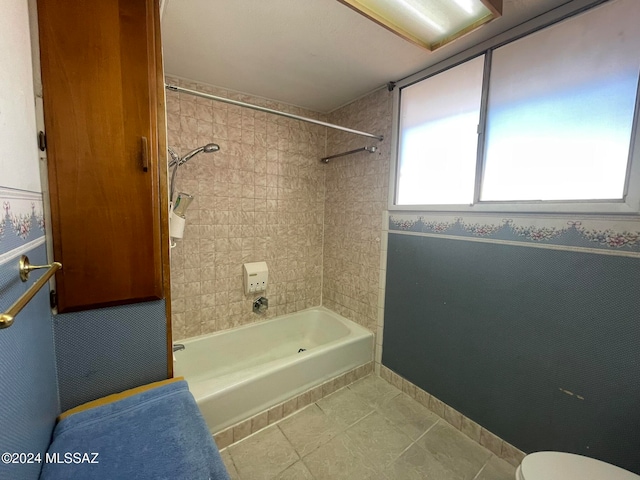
(568, 466)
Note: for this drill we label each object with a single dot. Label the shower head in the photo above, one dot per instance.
(208, 148)
(176, 161)
(211, 147)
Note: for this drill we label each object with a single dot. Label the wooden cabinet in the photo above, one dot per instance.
(103, 104)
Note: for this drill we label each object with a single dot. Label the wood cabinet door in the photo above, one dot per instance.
(100, 102)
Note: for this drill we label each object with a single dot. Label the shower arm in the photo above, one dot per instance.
(173, 181)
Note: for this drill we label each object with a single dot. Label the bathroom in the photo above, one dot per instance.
(515, 329)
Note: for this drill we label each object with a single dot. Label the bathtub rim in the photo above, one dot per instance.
(337, 316)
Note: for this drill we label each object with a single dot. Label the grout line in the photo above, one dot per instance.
(415, 442)
(324, 219)
(483, 466)
(430, 428)
(289, 442)
(360, 420)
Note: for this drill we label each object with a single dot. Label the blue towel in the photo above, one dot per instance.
(157, 434)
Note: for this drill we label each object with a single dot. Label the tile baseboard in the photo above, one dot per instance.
(474, 431)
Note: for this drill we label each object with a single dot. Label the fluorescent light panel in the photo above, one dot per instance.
(428, 23)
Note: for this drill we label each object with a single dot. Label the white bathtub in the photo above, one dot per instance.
(241, 372)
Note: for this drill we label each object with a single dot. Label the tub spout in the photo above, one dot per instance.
(178, 346)
(260, 305)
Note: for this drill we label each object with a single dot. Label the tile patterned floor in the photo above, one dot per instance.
(369, 430)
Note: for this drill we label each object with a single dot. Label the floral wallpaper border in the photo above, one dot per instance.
(618, 235)
(21, 218)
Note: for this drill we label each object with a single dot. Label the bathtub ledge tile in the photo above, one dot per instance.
(315, 393)
(258, 422)
(304, 400)
(275, 413)
(241, 430)
(340, 382)
(328, 388)
(289, 407)
(224, 438)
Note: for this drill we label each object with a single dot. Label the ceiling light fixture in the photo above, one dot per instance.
(428, 23)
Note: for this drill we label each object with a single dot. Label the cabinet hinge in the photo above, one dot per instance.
(42, 141)
(53, 299)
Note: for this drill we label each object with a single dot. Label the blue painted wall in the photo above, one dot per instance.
(109, 350)
(539, 346)
(28, 393)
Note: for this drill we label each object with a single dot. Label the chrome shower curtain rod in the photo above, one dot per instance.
(350, 152)
(175, 88)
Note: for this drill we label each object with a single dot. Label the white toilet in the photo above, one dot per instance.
(567, 466)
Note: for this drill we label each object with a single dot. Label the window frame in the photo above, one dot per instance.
(628, 205)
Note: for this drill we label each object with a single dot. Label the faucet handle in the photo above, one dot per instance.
(260, 305)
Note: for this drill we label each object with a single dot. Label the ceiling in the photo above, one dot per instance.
(316, 54)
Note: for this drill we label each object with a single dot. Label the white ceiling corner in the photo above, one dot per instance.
(316, 54)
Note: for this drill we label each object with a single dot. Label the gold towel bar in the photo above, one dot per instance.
(6, 319)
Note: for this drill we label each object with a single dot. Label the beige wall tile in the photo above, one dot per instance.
(231, 220)
(356, 196)
(241, 430)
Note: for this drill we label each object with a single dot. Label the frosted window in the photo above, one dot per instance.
(438, 137)
(560, 112)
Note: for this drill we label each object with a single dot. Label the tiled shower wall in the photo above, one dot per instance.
(260, 198)
(356, 199)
